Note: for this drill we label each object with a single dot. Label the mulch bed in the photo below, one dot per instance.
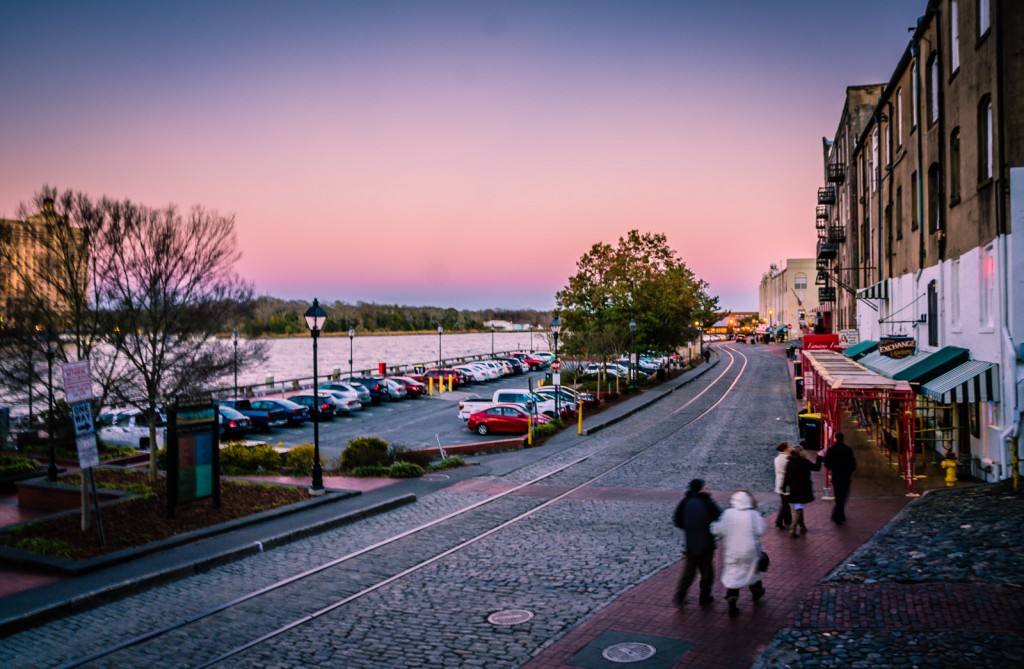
(139, 521)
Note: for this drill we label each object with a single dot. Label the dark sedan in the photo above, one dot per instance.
(373, 386)
(297, 414)
(262, 419)
(233, 424)
(328, 405)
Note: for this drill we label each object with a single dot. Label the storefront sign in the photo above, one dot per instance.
(827, 342)
(897, 347)
(848, 338)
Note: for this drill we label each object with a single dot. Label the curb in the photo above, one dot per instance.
(29, 618)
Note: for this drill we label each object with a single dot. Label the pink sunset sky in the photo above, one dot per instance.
(458, 154)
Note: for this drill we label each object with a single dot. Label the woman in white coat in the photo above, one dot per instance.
(739, 530)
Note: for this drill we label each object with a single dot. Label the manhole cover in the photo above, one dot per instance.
(631, 651)
(509, 617)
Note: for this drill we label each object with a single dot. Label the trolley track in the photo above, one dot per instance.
(416, 548)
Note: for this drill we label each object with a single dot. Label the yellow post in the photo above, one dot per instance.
(529, 430)
(430, 387)
(950, 467)
(579, 419)
(449, 384)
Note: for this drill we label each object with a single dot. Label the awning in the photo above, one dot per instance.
(860, 350)
(823, 308)
(935, 365)
(973, 381)
(886, 366)
(878, 291)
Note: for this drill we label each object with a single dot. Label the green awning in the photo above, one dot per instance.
(934, 365)
(860, 350)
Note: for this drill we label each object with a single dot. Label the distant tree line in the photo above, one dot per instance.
(271, 316)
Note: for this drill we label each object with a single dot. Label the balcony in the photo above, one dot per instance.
(827, 195)
(836, 173)
(836, 234)
(821, 211)
(821, 279)
(827, 250)
(821, 224)
(822, 264)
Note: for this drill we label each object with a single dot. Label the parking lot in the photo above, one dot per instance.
(413, 423)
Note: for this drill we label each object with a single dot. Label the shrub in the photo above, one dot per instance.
(550, 427)
(300, 459)
(17, 464)
(451, 462)
(239, 458)
(365, 452)
(402, 454)
(405, 470)
(368, 471)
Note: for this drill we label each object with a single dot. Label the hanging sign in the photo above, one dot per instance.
(897, 347)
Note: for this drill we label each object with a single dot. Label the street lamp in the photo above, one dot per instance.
(234, 337)
(700, 339)
(771, 323)
(50, 341)
(351, 336)
(556, 327)
(492, 339)
(315, 317)
(632, 351)
(439, 331)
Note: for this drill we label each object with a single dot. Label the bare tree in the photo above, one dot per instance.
(170, 288)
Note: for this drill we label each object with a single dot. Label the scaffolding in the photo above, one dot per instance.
(835, 384)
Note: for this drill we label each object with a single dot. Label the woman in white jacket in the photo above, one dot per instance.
(785, 515)
(739, 530)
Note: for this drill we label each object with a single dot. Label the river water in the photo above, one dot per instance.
(292, 358)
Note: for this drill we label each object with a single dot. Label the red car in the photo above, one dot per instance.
(412, 386)
(532, 361)
(438, 373)
(503, 418)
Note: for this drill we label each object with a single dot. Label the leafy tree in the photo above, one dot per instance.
(642, 280)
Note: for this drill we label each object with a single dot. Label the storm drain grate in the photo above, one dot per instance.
(631, 651)
(509, 617)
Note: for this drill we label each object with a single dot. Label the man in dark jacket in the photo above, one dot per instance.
(694, 516)
(841, 464)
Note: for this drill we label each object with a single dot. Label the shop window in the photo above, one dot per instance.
(954, 167)
(985, 139)
(933, 314)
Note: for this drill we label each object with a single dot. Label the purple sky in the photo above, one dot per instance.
(447, 153)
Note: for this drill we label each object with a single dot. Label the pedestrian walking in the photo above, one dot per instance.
(841, 464)
(785, 515)
(707, 355)
(799, 486)
(694, 516)
(739, 530)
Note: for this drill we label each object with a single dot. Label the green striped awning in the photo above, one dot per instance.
(878, 291)
(973, 381)
(886, 366)
(860, 350)
(935, 365)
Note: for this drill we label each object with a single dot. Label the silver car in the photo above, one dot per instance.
(396, 390)
(362, 394)
(347, 401)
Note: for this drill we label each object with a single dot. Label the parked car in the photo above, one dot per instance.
(297, 414)
(347, 401)
(741, 337)
(518, 366)
(262, 419)
(567, 396)
(130, 428)
(437, 373)
(474, 373)
(233, 424)
(595, 368)
(328, 407)
(502, 418)
(371, 386)
(362, 394)
(518, 396)
(534, 362)
(413, 387)
(395, 390)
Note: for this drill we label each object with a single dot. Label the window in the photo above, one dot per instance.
(933, 314)
(913, 95)
(987, 285)
(800, 281)
(899, 213)
(888, 139)
(933, 89)
(984, 17)
(954, 167)
(899, 117)
(933, 197)
(954, 36)
(875, 166)
(913, 201)
(985, 139)
(954, 295)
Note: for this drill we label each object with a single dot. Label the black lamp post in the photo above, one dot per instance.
(492, 339)
(234, 338)
(439, 331)
(351, 337)
(700, 339)
(556, 327)
(632, 352)
(315, 317)
(50, 341)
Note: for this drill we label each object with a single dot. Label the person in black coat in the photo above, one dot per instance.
(798, 485)
(694, 516)
(841, 463)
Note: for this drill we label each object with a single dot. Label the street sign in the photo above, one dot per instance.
(556, 365)
(81, 416)
(77, 381)
(88, 453)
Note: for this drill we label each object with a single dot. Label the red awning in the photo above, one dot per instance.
(823, 308)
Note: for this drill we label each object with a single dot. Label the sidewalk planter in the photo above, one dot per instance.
(42, 495)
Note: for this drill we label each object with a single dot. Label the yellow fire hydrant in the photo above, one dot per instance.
(949, 464)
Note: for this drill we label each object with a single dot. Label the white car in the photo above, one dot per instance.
(347, 400)
(130, 428)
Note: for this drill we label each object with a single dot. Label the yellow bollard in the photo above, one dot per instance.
(579, 419)
(949, 464)
(449, 384)
(529, 430)
(430, 387)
